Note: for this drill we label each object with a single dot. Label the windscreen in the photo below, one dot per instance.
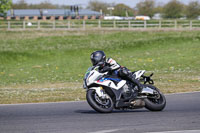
(88, 72)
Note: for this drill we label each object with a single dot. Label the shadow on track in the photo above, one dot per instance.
(115, 111)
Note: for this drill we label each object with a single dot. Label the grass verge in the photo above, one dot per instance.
(48, 66)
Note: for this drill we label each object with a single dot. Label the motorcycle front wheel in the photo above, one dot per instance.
(98, 104)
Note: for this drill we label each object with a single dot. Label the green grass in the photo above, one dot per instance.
(33, 60)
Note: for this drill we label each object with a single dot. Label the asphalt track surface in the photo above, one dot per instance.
(181, 114)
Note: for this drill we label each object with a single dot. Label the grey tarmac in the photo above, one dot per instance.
(182, 114)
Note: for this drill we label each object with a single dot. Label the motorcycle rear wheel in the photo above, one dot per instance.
(98, 104)
(155, 104)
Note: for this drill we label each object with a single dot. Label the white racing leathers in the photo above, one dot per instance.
(112, 64)
(123, 72)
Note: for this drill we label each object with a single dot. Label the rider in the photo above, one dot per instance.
(98, 58)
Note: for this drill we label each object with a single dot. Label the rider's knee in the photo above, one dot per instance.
(124, 72)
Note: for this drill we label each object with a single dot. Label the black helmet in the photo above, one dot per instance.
(98, 57)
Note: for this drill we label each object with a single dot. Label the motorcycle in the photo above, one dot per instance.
(107, 92)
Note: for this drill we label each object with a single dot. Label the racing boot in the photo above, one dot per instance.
(135, 81)
(127, 74)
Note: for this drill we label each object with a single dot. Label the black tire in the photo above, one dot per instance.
(90, 96)
(159, 105)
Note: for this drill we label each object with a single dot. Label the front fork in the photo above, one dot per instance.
(100, 92)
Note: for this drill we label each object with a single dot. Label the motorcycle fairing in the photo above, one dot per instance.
(111, 84)
(138, 74)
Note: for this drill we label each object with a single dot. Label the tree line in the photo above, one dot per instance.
(172, 9)
(22, 4)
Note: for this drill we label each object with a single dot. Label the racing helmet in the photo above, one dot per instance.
(98, 58)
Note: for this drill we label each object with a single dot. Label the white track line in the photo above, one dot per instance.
(181, 131)
(106, 131)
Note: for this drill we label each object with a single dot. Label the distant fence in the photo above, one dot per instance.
(99, 24)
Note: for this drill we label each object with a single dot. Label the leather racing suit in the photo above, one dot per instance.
(112, 66)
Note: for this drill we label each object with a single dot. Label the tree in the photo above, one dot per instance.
(122, 10)
(146, 7)
(173, 9)
(158, 9)
(4, 6)
(99, 6)
(193, 10)
(43, 5)
(20, 5)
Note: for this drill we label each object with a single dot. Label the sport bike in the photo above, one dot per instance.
(107, 92)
